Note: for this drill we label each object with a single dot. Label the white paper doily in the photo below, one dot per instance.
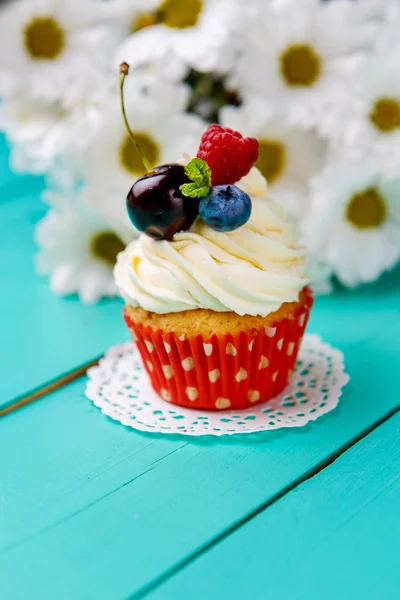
(120, 387)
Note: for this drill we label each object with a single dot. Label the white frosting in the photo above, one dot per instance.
(252, 270)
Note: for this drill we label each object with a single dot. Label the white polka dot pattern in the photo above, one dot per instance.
(253, 395)
(222, 403)
(230, 349)
(226, 366)
(168, 371)
(120, 386)
(188, 363)
(208, 348)
(149, 346)
(165, 394)
(270, 331)
(214, 375)
(241, 374)
(192, 393)
(290, 349)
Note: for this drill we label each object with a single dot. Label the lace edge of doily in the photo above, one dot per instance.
(120, 349)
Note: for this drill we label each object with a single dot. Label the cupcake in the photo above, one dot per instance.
(215, 288)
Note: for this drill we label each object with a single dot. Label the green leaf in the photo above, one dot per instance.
(192, 191)
(199, 172)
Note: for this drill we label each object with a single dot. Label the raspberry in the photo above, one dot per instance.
(229, 155)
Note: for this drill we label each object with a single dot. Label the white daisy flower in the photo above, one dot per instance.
(163, 131)
(298, 56)
(127, 17)
(131, 16)
(78, 247)
(197, 31)
(354, 222)
(53, 50)
(319, 273)
(168, 68)
(368, 120)
(372, 9)
(47, 136)
(41, 132)
(288, 155)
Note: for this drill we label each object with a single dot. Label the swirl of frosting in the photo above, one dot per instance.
(252, 270)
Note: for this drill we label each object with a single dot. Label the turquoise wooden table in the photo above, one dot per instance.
(92, 510)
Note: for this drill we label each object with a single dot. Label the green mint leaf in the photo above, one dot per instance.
(203, 191)
(191, 190)
(199, 172)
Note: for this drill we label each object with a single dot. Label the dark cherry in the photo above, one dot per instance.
(157, 207)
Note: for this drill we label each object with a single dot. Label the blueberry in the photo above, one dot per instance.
(225, 208)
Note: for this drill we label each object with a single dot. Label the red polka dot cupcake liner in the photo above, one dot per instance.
(229, 372)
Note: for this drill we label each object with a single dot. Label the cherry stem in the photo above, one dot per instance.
(124, 70)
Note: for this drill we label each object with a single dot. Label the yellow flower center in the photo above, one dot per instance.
(180, 14)
(106, 245)
(300, 65)
(44, 38)
(271, 159)
(385, 114)
(367, 209)
(130, 157)
(143, 20)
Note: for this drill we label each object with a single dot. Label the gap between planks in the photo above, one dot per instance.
(48, 388)
(158, 581)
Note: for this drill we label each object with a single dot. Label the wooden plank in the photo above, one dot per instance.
(91, 509)
(43, 336)
(336, 536)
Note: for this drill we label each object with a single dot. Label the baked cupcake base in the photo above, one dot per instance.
(208, 360)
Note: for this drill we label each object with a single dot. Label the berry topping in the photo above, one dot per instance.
(157, 207)
(225, 208)
(167, 199)
(229, 155)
